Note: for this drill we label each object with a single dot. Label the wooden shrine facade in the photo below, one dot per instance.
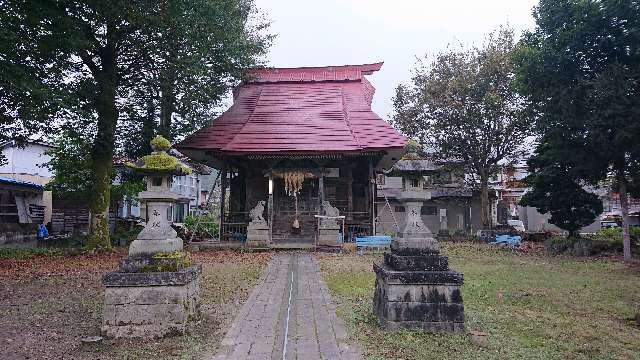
(344, 181)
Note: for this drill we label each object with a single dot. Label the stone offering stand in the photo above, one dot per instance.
(415, 289)
(155, 291)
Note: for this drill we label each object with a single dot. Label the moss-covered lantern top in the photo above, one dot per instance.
(159, 162)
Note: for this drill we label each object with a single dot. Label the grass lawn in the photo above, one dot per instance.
(48, 303)
(532, 306)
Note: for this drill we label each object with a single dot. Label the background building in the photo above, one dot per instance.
(454, 208)
(26, 163)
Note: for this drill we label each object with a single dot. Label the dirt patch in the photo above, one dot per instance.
(50, 304)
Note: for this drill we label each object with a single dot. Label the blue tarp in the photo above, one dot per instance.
(512, 240)
(378, 240)
(43, 233)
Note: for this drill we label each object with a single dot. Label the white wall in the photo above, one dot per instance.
(27, 160)
(537, 222)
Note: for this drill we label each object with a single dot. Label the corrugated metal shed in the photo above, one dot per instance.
(21, 183)
(300, 110)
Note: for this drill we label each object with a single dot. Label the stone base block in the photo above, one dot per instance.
(428, 300)
(429, 262)
(449, 327)
(150, 305)
(414, 244)
(258, 237)
(146, 247)
(329, 237)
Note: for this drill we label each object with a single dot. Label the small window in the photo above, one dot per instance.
(399, 209)
(428, 210)
(415, 182)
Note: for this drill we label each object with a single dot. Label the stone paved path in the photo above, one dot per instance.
(289, 315)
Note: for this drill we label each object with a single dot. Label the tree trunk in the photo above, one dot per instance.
(102, 150)
(148, 128)
(167, 102)
(624, 209)
(484, 202)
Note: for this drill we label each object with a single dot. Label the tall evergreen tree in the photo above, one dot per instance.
(580, 67)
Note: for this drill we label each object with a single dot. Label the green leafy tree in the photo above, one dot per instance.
(97, 48)
(463, 106)
(97, 53)
(70, 164)
(205, 50)
(580, 67)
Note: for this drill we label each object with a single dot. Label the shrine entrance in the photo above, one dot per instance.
(287, 209)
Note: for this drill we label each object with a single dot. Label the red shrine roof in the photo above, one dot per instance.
(299, 110)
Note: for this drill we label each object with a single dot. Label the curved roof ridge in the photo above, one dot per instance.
(313, 111)
(312, 74)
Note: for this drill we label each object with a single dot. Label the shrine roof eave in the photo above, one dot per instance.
(214, 157)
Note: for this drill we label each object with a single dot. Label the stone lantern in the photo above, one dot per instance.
(158, 235)
(415, 289)
(156, 289)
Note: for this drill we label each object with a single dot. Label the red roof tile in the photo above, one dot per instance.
(300, 110)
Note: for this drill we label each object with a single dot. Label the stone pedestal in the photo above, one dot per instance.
(415, 289)
(258, 229)
(258, 235)
(150, 305)
(329, 236)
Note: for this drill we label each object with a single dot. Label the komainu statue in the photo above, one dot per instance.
(256, 214)
(330, 210)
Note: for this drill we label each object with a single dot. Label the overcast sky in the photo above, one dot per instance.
(335, 32)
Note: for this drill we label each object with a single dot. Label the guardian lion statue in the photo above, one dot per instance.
(329, 210)
(256, 214)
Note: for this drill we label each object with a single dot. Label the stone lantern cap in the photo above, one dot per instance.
(160, 162)
(411, 195)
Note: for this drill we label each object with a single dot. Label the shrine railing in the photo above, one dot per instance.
(353, 230)
(233, 232)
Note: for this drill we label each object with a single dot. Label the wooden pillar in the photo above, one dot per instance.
(321, 192)
(223, 193)
(270, 189)
(350, 193)
(371, 194)
(375, 205)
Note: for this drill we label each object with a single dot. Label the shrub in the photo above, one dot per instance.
(615, 234)
(29, 253)
(125, 232)
(605, 241)
(202, 226)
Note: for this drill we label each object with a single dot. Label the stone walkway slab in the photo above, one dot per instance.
(289, 315)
